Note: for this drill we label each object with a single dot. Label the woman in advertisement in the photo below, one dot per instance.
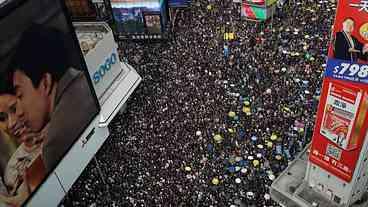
(14, 188)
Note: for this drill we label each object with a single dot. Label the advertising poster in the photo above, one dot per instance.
(129, 14)
(342, 122)
(339, 114)
(46, 100)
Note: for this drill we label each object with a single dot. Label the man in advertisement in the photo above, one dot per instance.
(346, 46)
(14, 188)
(53, 98)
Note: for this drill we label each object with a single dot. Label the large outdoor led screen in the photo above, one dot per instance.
(46, 101)
(130, 15)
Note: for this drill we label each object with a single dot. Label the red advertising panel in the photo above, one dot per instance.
(342, 121)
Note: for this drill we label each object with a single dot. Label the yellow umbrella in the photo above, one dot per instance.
(215, 181)
(218, 138)
(231, 130)
(209, 6)
(269, 144)
(286, 109)
(246, 109)
(246, 103)
(273, 137)
(188, 169)
(255, 163)
(232, 114)
(226, 36)
(231, 36)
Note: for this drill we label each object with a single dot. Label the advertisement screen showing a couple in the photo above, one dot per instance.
(46, 100)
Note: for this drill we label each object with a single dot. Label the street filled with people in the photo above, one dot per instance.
(214, 121)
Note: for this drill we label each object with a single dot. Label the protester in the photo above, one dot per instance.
(204, 130)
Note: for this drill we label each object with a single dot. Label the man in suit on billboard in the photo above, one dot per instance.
(52, 97)
(346, 46)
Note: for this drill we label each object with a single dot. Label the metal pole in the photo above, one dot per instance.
(272, 13)
(102, 175)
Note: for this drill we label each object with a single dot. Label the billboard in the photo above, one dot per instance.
(251, 11)
(46, 97)
(139, 16)
(341, 123)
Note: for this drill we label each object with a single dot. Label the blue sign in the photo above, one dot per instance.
(104, 68)
(179, 3)
(345, 70)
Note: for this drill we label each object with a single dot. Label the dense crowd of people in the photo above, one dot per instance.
(206, 128)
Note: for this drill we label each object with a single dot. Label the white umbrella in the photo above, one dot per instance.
(250, 194)
(267, 197)
(237, 180)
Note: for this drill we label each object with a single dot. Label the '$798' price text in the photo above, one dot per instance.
(351, 70)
